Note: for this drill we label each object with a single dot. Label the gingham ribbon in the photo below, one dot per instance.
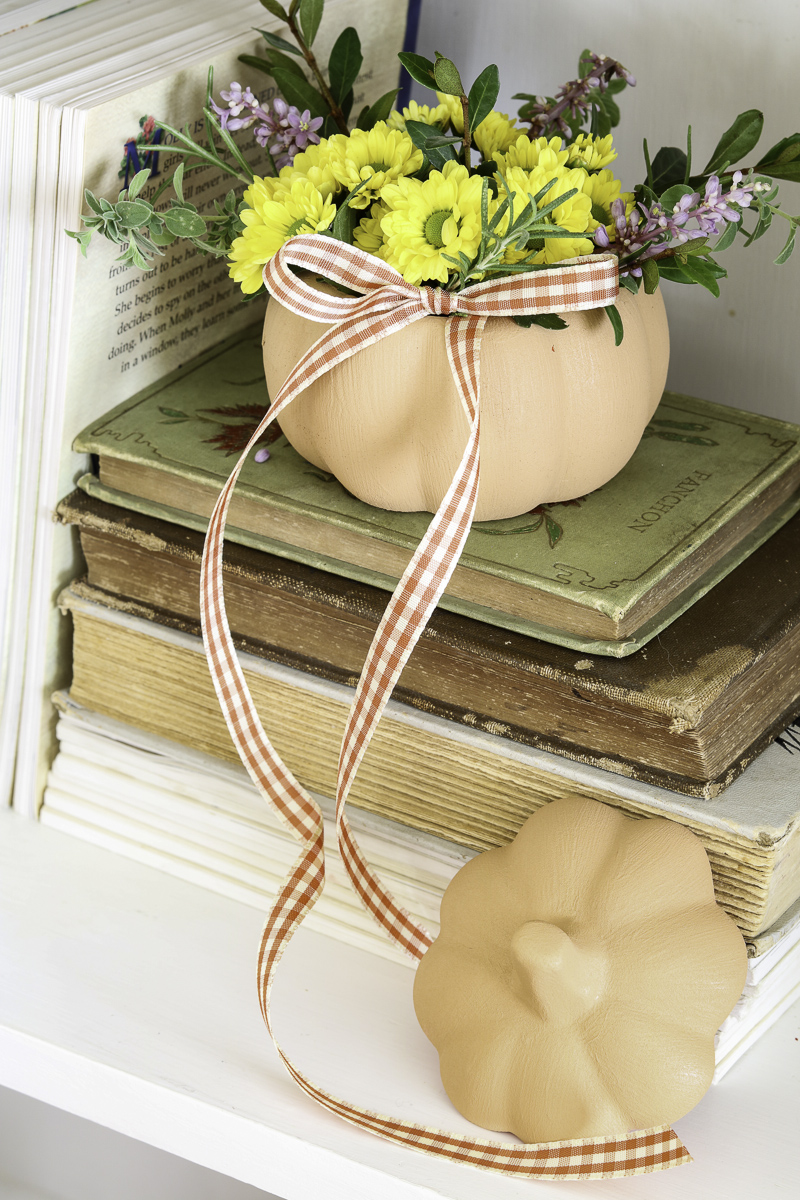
(385, 304)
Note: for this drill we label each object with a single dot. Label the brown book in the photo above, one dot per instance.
(687, 713)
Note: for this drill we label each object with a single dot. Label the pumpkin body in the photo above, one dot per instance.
(580, 976)
(561, 411)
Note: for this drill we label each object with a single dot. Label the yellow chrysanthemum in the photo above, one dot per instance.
(529, 154)
(574, 214)
(418, 112)
(313, 164)
(591, 153)
(603, 189)
(301, 209)
(427, 220)
(380, 155)
(454, 110)
(495, 134)
(368, 234)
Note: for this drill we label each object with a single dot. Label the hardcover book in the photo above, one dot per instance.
(687, 713)
(154, 677)
(603, 573)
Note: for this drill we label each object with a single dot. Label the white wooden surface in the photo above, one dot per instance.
(128, 998)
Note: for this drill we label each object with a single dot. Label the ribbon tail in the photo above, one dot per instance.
(406, 616)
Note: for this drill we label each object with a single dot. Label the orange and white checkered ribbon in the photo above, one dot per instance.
(386, 303)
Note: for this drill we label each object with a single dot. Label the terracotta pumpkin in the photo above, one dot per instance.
(580, 976)
(561, 411)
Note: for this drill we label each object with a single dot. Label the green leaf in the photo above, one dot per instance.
(344, 63)
(673, 194)
(736, 141)
(786, 252)
(299, 92)
(138, 182)
(260, 64)
(483, 95)
(83, 238)
(669, 167)
(695, 270)
(177, 181)
(419, 68)
(421, 135)
(782, 161)
(612, 313)
(158, 234)
(549, 321)
(630, 283)
(276, 59)
(347, 218)
(762, 225)
(275, 8)
(728, 234)
(650, 275)
(447, 77)
(612, 109)
(379, 111)
(584, 63)
(92, 202)
(279, 43)
(362, 121)
(184, 223)
(310, 16)
(132, 213)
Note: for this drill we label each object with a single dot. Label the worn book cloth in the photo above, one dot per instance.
(149, 799)
(437, 776)
(687, 713)
(603, 573)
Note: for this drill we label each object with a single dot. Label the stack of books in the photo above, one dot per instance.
(639, 646)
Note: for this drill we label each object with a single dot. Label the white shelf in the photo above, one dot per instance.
(128, 997)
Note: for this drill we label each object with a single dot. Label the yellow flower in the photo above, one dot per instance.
(574, 214)
(454, 110)
(419, 112)
(603, 189)
(529, 154)
(368, 234)
(313, 164)
(380, 155)
(495, 134)
(271, 222)
(591, 153)
(427, 220)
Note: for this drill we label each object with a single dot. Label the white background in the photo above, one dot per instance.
(695, 62)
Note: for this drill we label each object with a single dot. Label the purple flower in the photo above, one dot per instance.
(289, 130)
(262, 455)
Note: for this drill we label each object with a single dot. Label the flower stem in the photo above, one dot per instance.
(467, 143)
(327, 95)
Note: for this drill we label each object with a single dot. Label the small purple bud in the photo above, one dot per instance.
(262, 454)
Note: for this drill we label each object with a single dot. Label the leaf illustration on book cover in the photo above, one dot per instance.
(234, 434)
(542, 517)
(671, 434)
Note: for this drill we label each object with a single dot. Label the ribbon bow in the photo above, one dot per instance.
(385, 304)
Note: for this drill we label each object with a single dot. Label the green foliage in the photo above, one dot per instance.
(344, 63)
(429, 139)
(379, 111)
(483, 95)
(650, 275)
(276, 9)
(447, 77)
(543, 320)
(782, 161)
(612, 312)
(693, 270)
(279, 43)
(736, 142)
(419, 68)
(310, 15)
(669, 168)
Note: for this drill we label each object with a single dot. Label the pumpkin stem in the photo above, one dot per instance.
(554, 976)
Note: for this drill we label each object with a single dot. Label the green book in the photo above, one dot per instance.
(603, 573)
